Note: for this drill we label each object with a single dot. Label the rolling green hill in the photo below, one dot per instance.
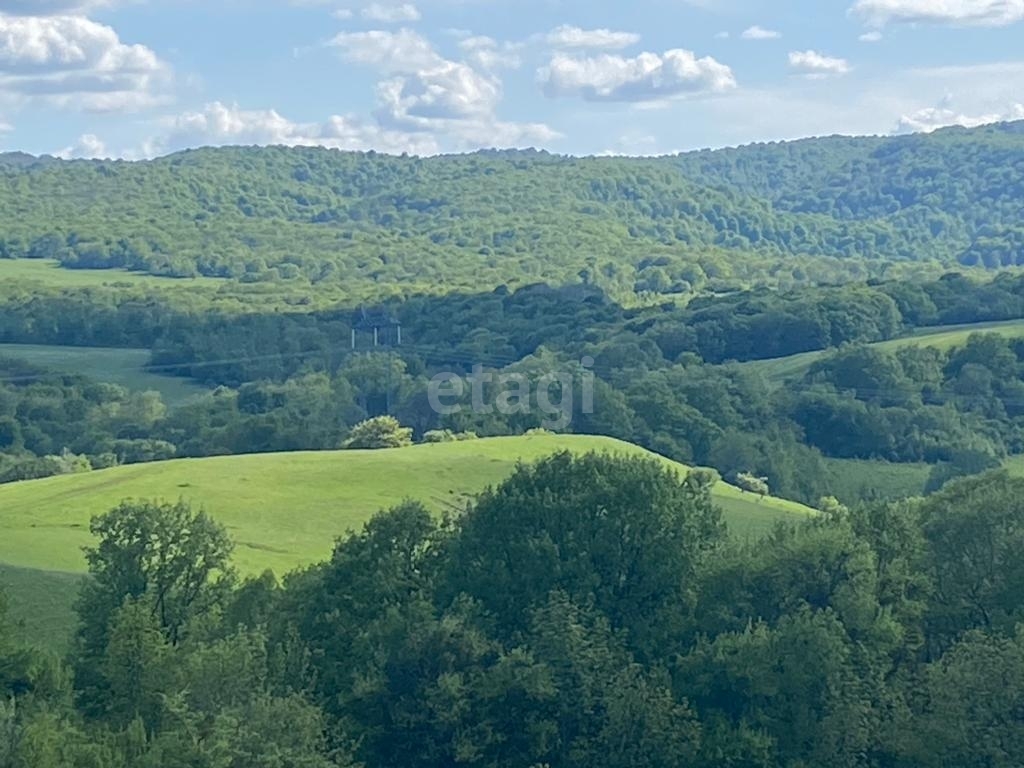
(285, 510)
(946, 337)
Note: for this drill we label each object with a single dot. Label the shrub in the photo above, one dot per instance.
(748, 482)
(379, 432)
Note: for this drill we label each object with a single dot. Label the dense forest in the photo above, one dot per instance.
(807, 212)
(589, 611)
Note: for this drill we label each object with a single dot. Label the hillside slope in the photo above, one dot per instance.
(944, 338)
(285, 510)
(667, 225)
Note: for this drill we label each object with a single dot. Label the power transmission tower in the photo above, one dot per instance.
(372, 330)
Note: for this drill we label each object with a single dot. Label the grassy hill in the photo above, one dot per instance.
(285, 510)
(944, 337)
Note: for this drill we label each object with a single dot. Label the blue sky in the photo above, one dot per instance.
(140, 78)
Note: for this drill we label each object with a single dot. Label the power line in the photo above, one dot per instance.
(498, 361)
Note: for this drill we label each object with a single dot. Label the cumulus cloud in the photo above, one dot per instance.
(760, 33)
(391, 14)
(70, 60)
(488, 54)
(815, 64)
(424, 92)
(647, 77)
(218, 124)
(567, 36)
(401, 51)
(989, 13)
(871, 37)
(88, 146)
(942, 116)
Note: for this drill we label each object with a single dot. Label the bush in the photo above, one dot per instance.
(37, 467)
(379, 432)
(748, 482)
(447, 436)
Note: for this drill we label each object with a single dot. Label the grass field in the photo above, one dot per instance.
(118, 366)
(50, 272)
(285, 510)
(40, 605)
(945, 337)
(1015, 464)
(856, 479)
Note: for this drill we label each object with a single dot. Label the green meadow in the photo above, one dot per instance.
(943, 337)
(285, 510)
(126, 367)
(50, 272)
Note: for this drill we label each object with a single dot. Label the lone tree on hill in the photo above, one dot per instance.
(379, 432)
(748, 482)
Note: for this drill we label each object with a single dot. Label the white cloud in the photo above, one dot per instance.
(637, 144)
(401, 51)
(760, 33)
(72, 61)
(342, 14)
(391, 14)
(567, 36)
(871, 37)
(221, 124)
(647, 77)
(815, 64)
(488, 54)
(721, 35)
(423, 92)
(989, 13)
(88, 146)
(932, 118)
(449, 90)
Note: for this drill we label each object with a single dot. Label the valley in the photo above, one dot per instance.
(313, 458)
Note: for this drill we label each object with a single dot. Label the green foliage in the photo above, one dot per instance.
(171, 562)
(885, 195)
(447, 436)
(971, 695)
(670, 226)
(628, 633)
(973, 527)
(623, 534)
(379, 432)
(753, 484)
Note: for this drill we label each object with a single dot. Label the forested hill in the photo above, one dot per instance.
(957, 194)
(784, 214)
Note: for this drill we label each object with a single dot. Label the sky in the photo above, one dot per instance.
(143, 78)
